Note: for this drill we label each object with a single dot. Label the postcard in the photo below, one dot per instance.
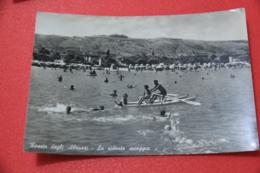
(141, 85)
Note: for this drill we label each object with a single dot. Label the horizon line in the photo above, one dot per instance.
(137, 38)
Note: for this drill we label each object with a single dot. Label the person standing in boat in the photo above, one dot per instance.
(147, 94)
(162, 91)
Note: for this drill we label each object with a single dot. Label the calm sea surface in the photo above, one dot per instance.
(225, 121)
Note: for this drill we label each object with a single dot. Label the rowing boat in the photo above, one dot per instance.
(167, 101)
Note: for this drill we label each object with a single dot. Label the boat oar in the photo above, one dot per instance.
(173, 95)
(191, 102)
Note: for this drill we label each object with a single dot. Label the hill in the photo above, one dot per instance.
(121, 46)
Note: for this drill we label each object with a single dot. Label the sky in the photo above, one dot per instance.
(224, 25)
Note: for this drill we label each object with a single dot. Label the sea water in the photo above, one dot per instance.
(224, 122)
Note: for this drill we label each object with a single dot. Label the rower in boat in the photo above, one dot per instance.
(162, 92)
(146, 96)
(123, 101)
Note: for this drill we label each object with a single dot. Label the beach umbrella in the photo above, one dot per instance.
(160, 66)
(154, 65)
(141, 66)
(172, 66)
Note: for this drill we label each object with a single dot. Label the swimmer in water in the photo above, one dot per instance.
(101, 108)
(94, 72)
(106, 80)
(114, 94)
(169, 127)
(60, 78)
(121, 77)
(69, 110)
(72, 87)
(173, 124)
(232, 76)
(163, 114)
(71, 69)
(131, 86)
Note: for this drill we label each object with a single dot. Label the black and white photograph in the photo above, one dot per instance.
(141, 85)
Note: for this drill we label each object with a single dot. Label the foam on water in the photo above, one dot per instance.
(79, 113)
(60, 108)
(117, 119)
(172, 135)
(145, 132)
(201, 145)
(163, 119)
(49, 108)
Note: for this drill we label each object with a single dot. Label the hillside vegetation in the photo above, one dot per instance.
(130, 50)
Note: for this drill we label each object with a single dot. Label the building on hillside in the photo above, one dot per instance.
(112, 67)
(160, 67)
(148, 67)
(231, 59)
(131, 66)
(99, 62)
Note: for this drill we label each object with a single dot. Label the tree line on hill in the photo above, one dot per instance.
(45, 54)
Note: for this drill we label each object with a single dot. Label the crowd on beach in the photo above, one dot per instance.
(140, 67)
